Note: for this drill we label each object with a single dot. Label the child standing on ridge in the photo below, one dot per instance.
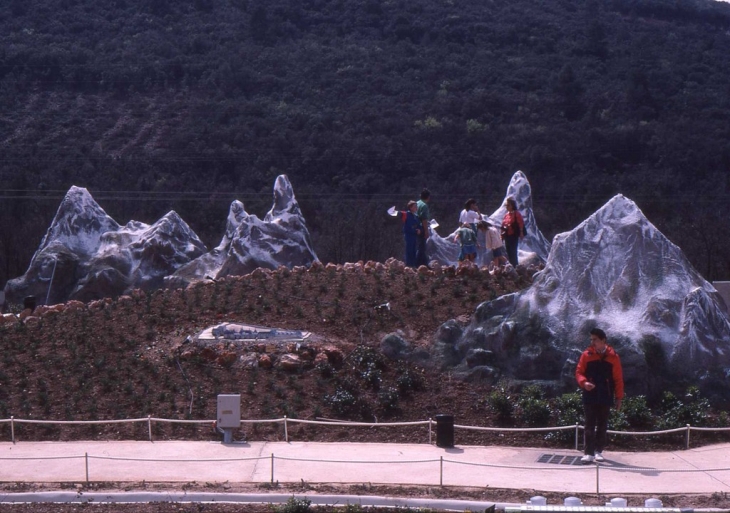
(467, 239)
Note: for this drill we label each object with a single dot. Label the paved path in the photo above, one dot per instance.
(702, 470)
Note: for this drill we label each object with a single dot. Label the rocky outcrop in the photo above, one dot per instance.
(86, 255)
(280, 239)
(615, 271)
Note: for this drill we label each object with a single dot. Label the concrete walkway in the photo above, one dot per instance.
(702, 470)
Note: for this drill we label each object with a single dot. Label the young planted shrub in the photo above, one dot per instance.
(534, 409)
(501, 402)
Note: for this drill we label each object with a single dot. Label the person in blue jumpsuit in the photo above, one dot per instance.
(411, 232)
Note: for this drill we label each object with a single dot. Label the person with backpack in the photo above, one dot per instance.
(467, 239)
(600, 377)
(513, 230)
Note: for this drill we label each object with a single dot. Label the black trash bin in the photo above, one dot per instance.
(29, 302)
(444, 430)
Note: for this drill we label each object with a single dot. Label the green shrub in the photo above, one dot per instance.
(294, 505)
(388, 399)
(534, 412)
(637, 412)
(372, 376)
(409, 379)
(568, 409)
(364, 357)
(342, 402)
(534, 409)
(501, 403)
(692, 409)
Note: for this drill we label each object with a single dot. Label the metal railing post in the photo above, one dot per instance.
(687, 437)
(598, 488)
(12, 428)
(576, 436)
(272, 468)
(86, 458)
(286, 430)
(429, 431)
(441, 478)
(149, 426)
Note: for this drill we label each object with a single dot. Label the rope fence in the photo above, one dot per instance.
(149, 420)
(595, 468)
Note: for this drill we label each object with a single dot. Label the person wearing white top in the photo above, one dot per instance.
(470, 214)
(493, 243)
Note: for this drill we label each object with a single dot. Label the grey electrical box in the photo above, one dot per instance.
(229, 411)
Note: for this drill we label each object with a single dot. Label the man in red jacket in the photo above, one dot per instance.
(600, 376)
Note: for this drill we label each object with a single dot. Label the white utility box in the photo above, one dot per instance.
(229, 411)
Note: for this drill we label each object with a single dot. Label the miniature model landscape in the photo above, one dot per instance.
(614, 270)
(432, 350)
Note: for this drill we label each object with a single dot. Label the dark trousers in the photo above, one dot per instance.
(411, 250)
(421, 257)
(510, 244)
(596, 427)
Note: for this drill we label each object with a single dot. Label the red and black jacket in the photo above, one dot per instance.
(603, 370)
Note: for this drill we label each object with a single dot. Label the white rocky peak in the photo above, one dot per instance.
(280, 238)
(78, 224)
(87, 255)
(285, 204)
(236, 215)
(519, 188)
(618, 272)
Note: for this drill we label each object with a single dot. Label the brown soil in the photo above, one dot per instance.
(128, 358)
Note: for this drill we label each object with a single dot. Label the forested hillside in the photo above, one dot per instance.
(188, 104)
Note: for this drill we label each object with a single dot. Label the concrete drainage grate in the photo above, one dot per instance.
(559, 459)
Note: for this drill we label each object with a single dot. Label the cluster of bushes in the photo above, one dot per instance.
(532, 407)
(362, 387)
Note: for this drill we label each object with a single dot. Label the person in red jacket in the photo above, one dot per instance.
(513, 229)
(600, 376)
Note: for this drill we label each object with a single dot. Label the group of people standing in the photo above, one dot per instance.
(475, 232)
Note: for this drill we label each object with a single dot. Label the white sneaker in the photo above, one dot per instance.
(588, 458)
(599, 457)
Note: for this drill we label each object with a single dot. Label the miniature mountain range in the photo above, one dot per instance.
(87, 255)
(615, 271)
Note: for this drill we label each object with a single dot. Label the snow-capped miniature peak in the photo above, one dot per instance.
(519, 188)
(285, 204)
(616, 271)
(79, 223)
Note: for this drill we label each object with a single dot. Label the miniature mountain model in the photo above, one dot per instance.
(280, 239)
(86, 255)
(534, 248)
(615, 271)
(534, 242)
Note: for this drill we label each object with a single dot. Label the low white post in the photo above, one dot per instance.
(429, 431)
(12, 428)
(272, 468)
(286, 431)
(598, 489)
(149, 426)
(687, 437)
(86, 458)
